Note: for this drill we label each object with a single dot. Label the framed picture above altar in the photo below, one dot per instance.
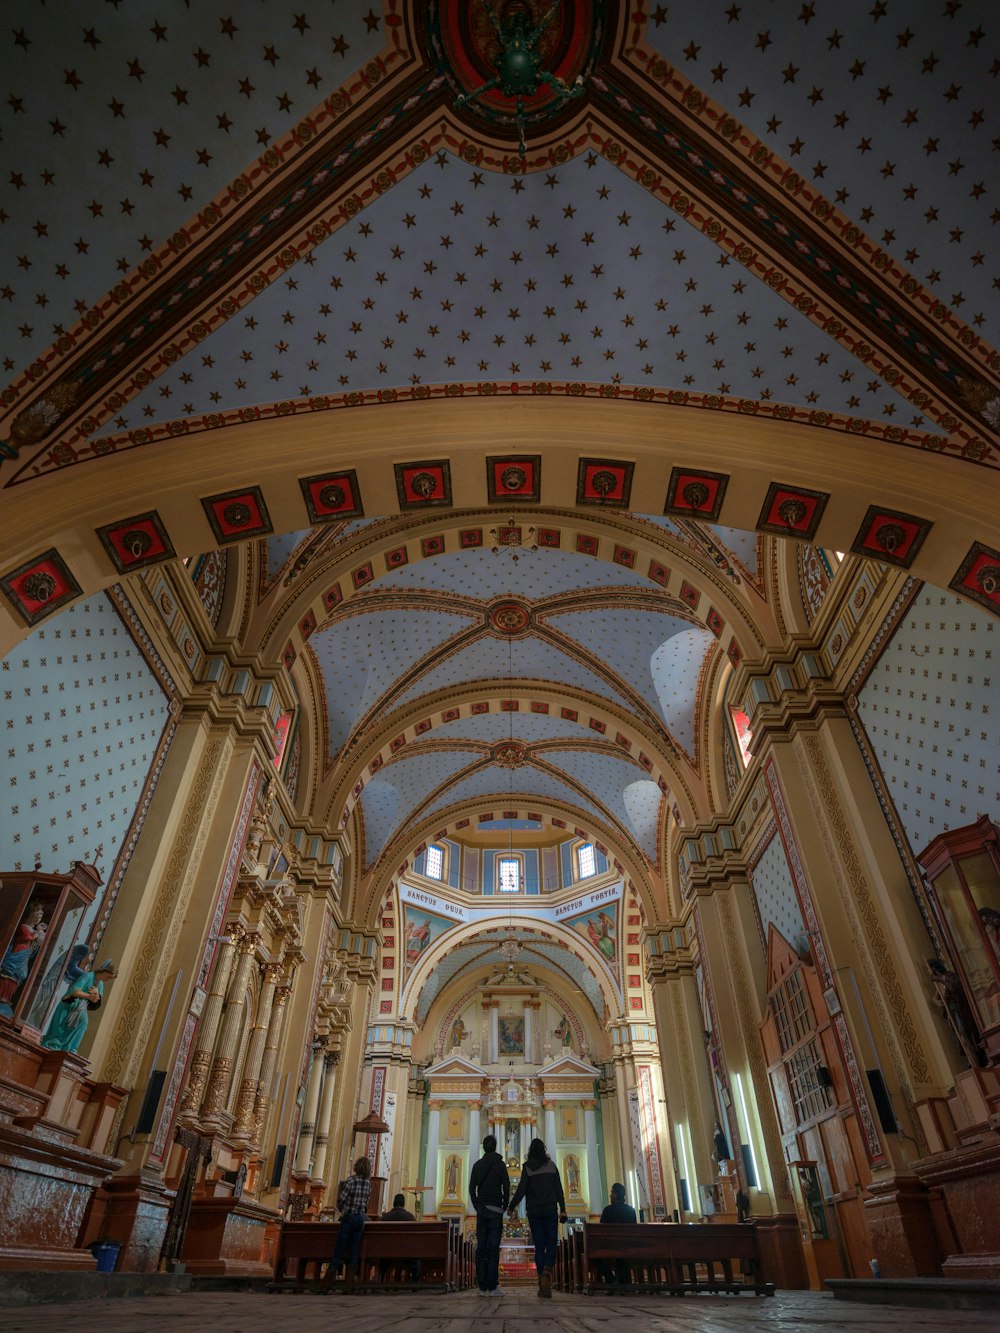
(510, 1034)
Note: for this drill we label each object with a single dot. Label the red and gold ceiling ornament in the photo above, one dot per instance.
(40, 586)
(510, 754)
(791, 511)
(695, 494)
(515, 63)
(423, 485)
(514, 477)
(509, 618)
(135, 542)
(978, 577)
(891, 537)
(605, 482)
(332, 496)
(236, 516)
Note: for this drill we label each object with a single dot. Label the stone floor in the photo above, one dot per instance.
(519, 1311)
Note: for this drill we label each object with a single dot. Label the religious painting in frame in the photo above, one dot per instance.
(600, 927)
(569, 1123)
(420, 929)
(510, 1034)
(454, 1125)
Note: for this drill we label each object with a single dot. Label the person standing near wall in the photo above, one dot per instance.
(489, 1191)
(545, 1205)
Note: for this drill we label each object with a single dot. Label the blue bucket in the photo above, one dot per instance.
(106, 1253)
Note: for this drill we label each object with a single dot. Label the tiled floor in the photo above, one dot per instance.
(519, 1311)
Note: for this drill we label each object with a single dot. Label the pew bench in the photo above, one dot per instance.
(305, 1254)
(673, 1258)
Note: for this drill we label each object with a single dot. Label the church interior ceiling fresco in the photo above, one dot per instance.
(224, 228)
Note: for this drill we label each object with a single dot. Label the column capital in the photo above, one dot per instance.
(435, 1105)
(273, 973)
(474, 1105)
(281, 995)
(548, 1104)
(589, 1104)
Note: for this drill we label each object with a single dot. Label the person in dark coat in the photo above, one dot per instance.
(399, 1213)
(489, 1190)
(616, 1211)
(545, 1205)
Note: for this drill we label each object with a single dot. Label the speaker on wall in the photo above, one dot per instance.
(278, 1165)
(883, 1102)
(151, 1101)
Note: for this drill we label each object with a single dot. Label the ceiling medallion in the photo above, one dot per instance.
(509, 618)
(510, 754)
(514, 476)
(515, 63)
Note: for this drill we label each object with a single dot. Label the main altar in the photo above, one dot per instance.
(516, 1098)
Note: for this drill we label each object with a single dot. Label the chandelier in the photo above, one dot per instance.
(511, 537)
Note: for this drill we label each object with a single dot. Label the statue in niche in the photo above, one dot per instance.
(451, 1170)
(459, 1032)
(573, 1176)
(69, 1022)
(949, 998)
(563, 1033)
(16, 963)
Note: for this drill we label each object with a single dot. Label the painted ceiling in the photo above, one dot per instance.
(218, 214)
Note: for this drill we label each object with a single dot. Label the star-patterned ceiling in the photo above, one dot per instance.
(220, 213)
(890, 107)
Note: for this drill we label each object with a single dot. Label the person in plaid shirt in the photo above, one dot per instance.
(352, 1203)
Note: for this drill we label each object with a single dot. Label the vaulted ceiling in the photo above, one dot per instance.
(227, 226)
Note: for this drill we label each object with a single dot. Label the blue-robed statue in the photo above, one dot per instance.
(69, 1022)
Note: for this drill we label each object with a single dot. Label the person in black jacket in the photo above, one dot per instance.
(489, 1190)
(545, 1205)
(616, 1211)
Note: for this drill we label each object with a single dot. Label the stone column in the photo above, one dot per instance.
(533, 1031)
(527, 1134)
(216, 1092)
(549, 1108)
(474, 1109)
(594, 1192)
(323, 1127)
(307, 1132)
(431, 1159)
(208, 1024)
(495, 1029)
(279, 1009)
(735, 965)
(250, 1082)
(488, 1050)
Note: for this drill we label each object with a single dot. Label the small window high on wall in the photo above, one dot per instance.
(586, 861)
(509, 874)
(435, 862)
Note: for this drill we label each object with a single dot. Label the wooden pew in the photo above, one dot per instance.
(305, 1250)
(678, 1259)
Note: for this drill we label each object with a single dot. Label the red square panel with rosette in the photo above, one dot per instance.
(978, 577)
(890, 536)
(695, 494)
(790, 511)
(332, 496)
(237, 515)
(605, 482)
(514, 477)
(135, 542)
(40, 586)
(423, 485)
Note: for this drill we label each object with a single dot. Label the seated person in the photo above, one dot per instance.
(616, 1211)
(399, 1213)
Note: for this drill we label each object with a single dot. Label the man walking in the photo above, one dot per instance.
(489, 1190)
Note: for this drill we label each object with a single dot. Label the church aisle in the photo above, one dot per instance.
(517, 1312)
